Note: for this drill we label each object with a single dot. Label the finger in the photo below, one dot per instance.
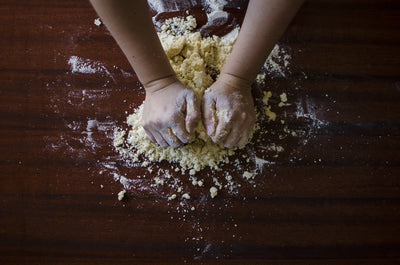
(240, 127)
(221, 133)
(232, 139)
(243, 140)
(160, 140)
(171, 139)
(247, 133)
(193, 113)
(209, 113)
(150, 135)
(180, 132)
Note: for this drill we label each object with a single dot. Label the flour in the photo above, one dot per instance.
(276, 65)
(86, 66)
(197, 61)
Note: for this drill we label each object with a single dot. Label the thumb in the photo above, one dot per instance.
(192, 112)
(209, 115)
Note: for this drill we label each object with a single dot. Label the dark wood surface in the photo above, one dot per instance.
(332, 197)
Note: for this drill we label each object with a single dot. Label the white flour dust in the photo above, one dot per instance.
(306, 109)
(191, 57)
(276, 65)
(184, 191)
(86, 66)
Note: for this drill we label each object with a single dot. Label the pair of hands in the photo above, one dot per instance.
(172, 111)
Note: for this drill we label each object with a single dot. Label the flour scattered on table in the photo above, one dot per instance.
(86, 66)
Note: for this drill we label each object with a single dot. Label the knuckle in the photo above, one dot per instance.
(145, 125)
(163, 144)
(244, 116)
(229, 145)
(176, 144)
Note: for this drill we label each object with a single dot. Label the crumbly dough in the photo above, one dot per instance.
(196, 61)
(121, 195)
(213, 192)
(186, 196)
(249, 175)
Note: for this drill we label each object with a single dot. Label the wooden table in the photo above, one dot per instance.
(331, 197)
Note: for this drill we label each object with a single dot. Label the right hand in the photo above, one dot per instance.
(228, 110)
(170, 115)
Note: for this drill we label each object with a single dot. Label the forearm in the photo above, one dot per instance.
(264, 23)
(130, 24)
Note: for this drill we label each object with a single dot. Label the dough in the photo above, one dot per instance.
(196, 61)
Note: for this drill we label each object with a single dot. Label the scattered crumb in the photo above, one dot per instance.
(159, 181)
(213, 192)
(98, 22)
(121, 195)
(249, 175)
(270, 114)
(186, 196)
(267, 96)
(172, 197)
(283, 97)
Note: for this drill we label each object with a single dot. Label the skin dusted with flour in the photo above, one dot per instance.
(130, 24)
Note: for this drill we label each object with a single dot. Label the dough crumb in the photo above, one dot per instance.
(186, 196)
(159, 181)
(172, 197)
(266, 97)
(98, 22)
(249, 175)
(121, 195)
(283, 97)
(213, 192)
(270, 114)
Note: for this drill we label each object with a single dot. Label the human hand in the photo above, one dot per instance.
(170, 114)
(228, 111)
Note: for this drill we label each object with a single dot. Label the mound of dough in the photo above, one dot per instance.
(196, 61)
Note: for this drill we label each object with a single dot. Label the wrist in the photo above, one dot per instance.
(235, 81)
(160, 83)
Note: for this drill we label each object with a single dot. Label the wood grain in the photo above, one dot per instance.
(332, 197)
